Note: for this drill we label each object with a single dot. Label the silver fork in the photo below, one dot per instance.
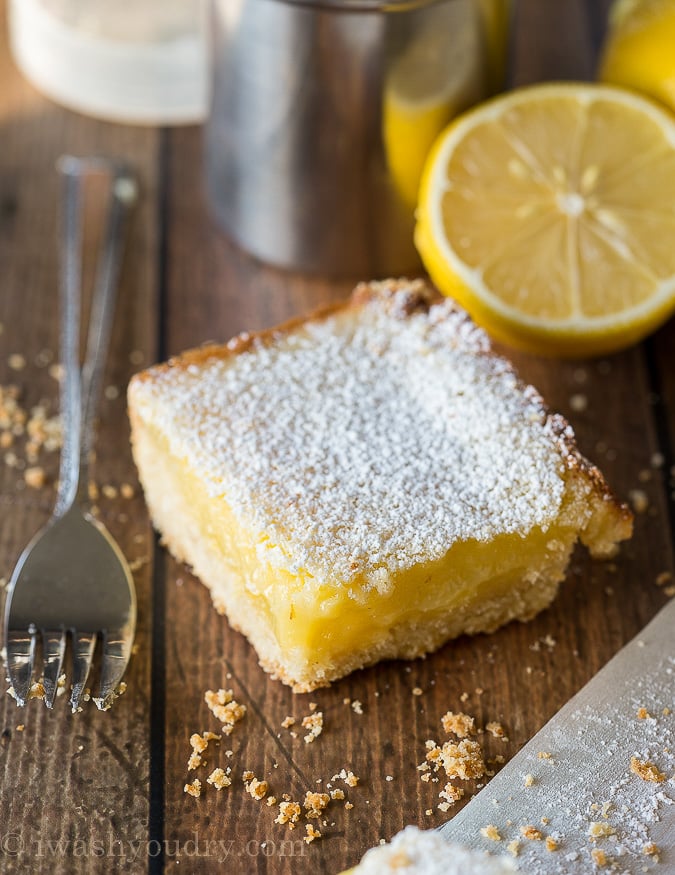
(72, 577)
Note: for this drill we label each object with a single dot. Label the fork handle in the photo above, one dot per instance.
(80, 389)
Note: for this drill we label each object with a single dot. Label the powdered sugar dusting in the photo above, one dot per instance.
(418, 852)
(367, 441)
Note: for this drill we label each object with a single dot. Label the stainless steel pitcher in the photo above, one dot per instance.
(323, 112)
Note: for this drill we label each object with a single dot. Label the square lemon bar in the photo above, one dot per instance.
(365, 483)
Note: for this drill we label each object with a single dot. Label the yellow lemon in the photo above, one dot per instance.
(549, 214)
(639, 51)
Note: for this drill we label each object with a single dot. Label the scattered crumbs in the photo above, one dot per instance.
(496, 729)
(600, 830)
(35, 477)
(315, 803)
(531, 832)
(289, 812)
(551, 844)
(639, 500)
(599, 857)
(193, 789)
(314, 724)
(463, 760)
(491, 832)
(643, 714)
(357, 707)
(513, 847)
(219, 779)
(578, 403)
(451, 793)
(337, 793)
(16, 361)
(528, 780)
(255, 788)
(350, 779)
(311, 833)
(287, 722)
(417, 691)
(646, 770)
(225, 708)
(461, 725)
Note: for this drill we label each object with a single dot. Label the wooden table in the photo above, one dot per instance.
(104, 792)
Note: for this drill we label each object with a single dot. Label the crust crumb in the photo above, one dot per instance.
(311, 833)
(194, 789)
(255, 788)
(646, 770)
(313, 723)
(463, 760)
(599, 857)
(225, 708)
(643, 714)
(460, 724)
(315, 803)
(496, 729)
(289, 812)
(551, 844)
(531, 832)
(491, 832)
(451, 793)
(219, 779)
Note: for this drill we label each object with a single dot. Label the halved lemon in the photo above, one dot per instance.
(639, 51)
(549, 214)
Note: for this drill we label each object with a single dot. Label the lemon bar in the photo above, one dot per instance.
(365, 483)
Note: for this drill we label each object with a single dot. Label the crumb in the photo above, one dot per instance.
(315, 803)
(225, 708)
(646, 770)
(417, 691)
(528, 780)
(464, 698)
(643, 714)
(426, 777)
(35, 477)
(313, 706)
(248, 775)
(491, 832)
(657, 460)
(639, 500)
(429, 812)
(451, 793)
(461, 725)
(287, 722)
(599, 857)
(388, 777)
(513, 847)
(109, 491)
(443, 806)
(193, 789)
(111, 393)
(666, 712)
(257, 789)
(20, 727)
(271, 800)
(599, 830)
(289, 812)
(650, 850)
(337, 793)
(663, 578)
(357, 707)
(311, 833)
(346, 701)
(219, 779)
(16, 361)
(313, 723)
(479, 691)
(348, 777)
(348, 805)
(551, 844)
(463, 760)
(127, 490)
(544, 755)
(496, 729)
(531, 832)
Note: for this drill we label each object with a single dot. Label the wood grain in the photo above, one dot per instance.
(89, 778)
(74, 789)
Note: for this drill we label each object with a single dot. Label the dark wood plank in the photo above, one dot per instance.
(74, 790)
(215, 290)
